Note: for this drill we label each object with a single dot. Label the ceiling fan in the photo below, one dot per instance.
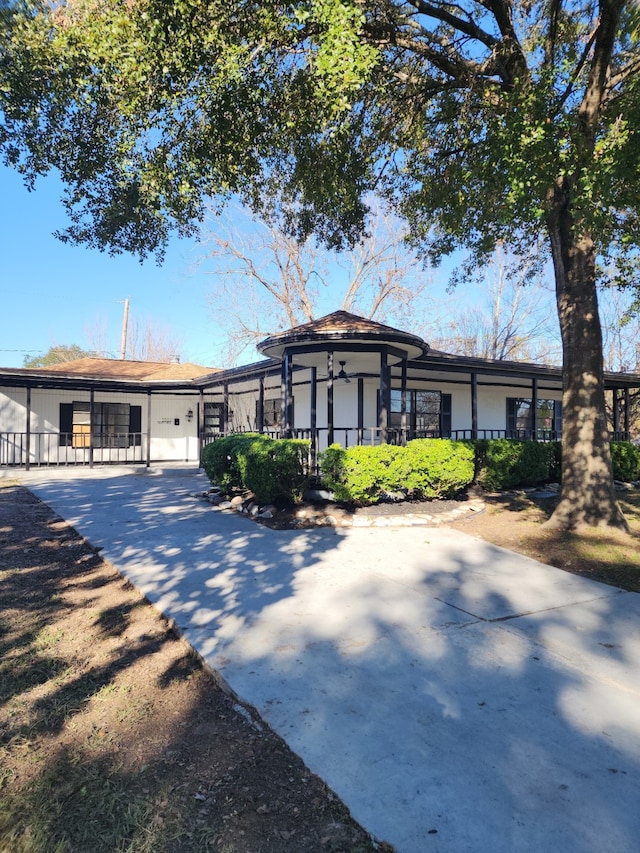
(343, 373)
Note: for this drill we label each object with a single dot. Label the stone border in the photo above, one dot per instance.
(313, 515)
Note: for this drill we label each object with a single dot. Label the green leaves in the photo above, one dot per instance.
(149, 108)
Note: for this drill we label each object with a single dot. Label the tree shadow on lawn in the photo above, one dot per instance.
(607, 555)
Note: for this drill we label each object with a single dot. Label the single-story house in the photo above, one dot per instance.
(341, 379)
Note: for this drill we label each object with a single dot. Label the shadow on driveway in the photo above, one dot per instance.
(456, 696)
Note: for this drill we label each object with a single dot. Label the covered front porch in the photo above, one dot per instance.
(341, 379)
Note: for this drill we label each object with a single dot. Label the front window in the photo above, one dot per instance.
(428, 412)
(113, 425)
(520, 421)
(213, 417)
(271, 413)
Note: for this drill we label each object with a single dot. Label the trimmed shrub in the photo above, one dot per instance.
(438, 468)
(425, 468)
(360, 474)
(270, 468)
(220, 460)
(625, 458)
(503, 462)
(332, 464)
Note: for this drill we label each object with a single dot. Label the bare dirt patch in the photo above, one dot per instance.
(113, 737)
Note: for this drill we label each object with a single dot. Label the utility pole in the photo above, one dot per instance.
(125, 323)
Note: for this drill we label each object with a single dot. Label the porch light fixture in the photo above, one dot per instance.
(190, 415)
(343, 373)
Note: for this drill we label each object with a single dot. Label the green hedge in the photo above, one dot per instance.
(270, 468)
(625, 458)
(425, 468)
(503, 462)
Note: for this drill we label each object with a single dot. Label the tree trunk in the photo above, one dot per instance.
(587, 496)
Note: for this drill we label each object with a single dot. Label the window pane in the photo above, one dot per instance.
(81, 434)
(427, 411)
(396, 401)
(545, 414)
(213, 417)
(271, 413)
(523, 414)
(113, 427)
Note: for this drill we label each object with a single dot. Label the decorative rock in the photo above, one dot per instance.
(318, 495)
(237, 501)
(392, 497)
(266, 513)
(225, 505)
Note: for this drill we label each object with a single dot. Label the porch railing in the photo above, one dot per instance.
(50, 449)
(46, 449)
(349, 436)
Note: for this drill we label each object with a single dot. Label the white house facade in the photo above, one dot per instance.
(339, 379)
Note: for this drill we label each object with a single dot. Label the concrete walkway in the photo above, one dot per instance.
(456, 696)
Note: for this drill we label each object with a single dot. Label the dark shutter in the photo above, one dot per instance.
(66, 424)
(135, 426)
(445, 415)
(557, 418)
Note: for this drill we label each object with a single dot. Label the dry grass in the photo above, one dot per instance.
(516, 520)
(112, 735)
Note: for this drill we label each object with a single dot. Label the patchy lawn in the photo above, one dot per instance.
(515, 521)
(112, 735)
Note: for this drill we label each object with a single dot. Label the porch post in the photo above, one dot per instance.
(200, 425)
(474, 405)
(329, 398)
(225, 407)
(384, 396)
(260, 412)
(149, 428)
(360, 410)
(627, 428)
(534, 407)
(616, 413)
(28, 438)
(92, 413)
(289, 419)
(313, 416)
(283, 392)
(403, 402)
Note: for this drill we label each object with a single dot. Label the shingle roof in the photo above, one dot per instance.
(111, 368)
(341, 326)
(341, 321)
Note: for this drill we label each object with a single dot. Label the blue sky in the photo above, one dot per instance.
(59, 294)
(54, 293)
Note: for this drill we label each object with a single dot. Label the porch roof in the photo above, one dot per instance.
(340, 328)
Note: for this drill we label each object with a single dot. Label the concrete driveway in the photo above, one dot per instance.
(456, 696)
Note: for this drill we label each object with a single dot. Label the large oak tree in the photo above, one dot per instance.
(479, 120)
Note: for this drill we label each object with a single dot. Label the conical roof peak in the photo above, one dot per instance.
(342, 326)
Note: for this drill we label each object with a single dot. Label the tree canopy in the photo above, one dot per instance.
(57, 354)
(468, 112)
(480, 121)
